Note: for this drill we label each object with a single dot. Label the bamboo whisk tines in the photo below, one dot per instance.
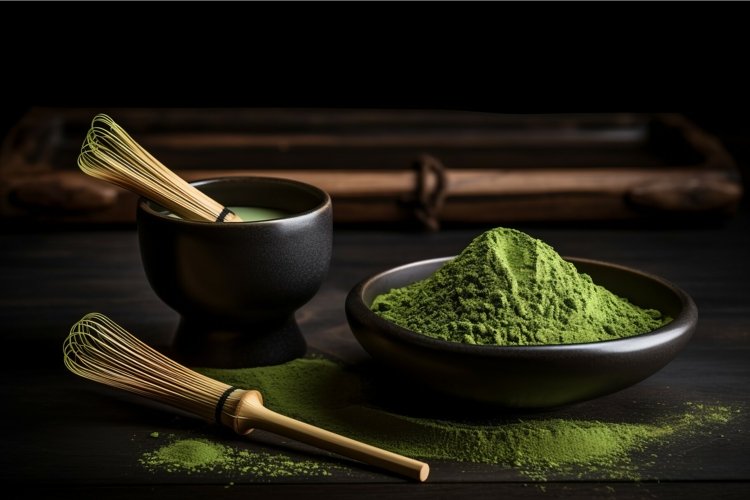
(110, 154)
(99, 349)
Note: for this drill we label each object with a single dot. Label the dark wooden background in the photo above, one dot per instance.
(63, 438)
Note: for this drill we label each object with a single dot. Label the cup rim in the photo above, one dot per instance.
(144, 203)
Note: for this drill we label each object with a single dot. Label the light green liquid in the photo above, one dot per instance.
(250, 214)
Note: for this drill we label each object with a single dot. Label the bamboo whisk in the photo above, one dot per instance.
(99, 349)
(110, 154)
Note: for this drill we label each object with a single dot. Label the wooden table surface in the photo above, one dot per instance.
(65, 436)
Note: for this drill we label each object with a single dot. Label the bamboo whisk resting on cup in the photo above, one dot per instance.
(110, 154)
(99, 349)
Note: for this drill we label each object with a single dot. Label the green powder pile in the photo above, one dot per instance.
(191, 455)
(507, 288)
(330, 396)
(203, 455)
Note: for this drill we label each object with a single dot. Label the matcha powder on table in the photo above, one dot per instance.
(203, 455)
(189, 455)
(507, 288)
(331, 396)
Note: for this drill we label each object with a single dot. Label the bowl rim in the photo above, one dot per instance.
(683, 323)
(144, 203)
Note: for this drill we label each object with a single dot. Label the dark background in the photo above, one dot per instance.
(504, 57)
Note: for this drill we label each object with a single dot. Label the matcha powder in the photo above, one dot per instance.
(190, 455)
(328, 395)
(203, 455)
(507, 288)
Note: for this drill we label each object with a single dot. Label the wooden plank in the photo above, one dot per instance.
(371, 196)
(499, 168)
(428, 491)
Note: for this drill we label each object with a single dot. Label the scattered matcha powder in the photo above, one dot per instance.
(507, 288)
(328, 395)
(190, 455)
(203, 455)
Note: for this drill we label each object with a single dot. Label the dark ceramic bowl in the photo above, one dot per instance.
(526, 376)
(236, 286)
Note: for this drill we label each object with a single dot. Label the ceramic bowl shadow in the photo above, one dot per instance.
(529, 377)
(236, 286)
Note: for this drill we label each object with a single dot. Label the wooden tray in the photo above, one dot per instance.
(391, 165)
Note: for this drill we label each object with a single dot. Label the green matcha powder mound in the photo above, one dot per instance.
(507, 288)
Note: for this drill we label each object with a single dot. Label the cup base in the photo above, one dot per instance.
(207, 343)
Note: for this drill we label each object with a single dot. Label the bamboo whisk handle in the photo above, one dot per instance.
(251, 413)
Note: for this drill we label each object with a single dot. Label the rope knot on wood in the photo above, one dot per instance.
(428, 197)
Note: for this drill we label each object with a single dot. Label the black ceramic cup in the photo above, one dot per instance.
(236, 286)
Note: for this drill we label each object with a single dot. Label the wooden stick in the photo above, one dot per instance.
(250, 413)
